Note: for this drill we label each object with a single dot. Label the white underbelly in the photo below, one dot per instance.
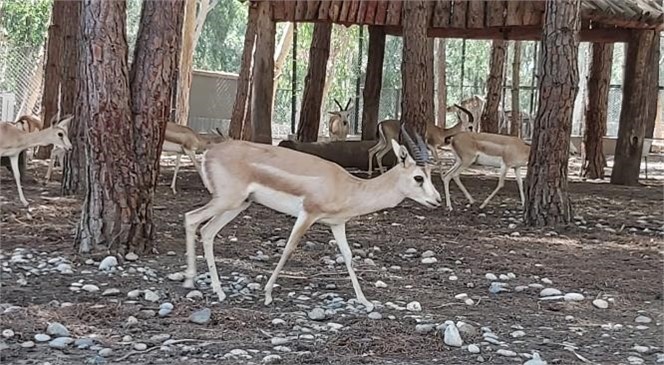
(277, 200)
(171, 147)
(486, 160)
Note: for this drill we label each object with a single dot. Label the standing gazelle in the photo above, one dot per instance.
(308, 187)
(338, 125)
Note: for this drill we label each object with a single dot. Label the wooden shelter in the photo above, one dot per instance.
(602, 21)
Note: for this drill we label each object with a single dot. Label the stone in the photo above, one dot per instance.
(201, 316)
(547, 281)
(414, 306)
(335, 326)
(282, 348)
(451, 336)
(131, 256)
(498, 287)
(503, 277)
(466, 330)
(41, 337)
(110, 291)
(140, 346)
(375, 315)
(507, 353)
(194, 294)
(461, 296)
(134, 294)
(84, 343)
(536, 360)
(642, 319)
(491, 276)
(428, 253)
(176, 276)
(238, 352)
(64, 269)
(271, 359)
(316, 314)
(90, 288)
(380, 284)
(61, 342)
(635, 360)
(278, 322)
(276, 341)
(520, 288)
(108, 263)
(641, 349)
(160, 337)
(411, 251)
(150, 296)
(105, 352)
(8, 333)
(549, 292)
(517, 334)
(131, 320)
(28, 344)
(429, 260)
(600, 303)
(573, 297)
(425, 328)
(473, 349)
(57, 329)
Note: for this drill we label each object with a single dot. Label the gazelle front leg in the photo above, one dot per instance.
(501, 183)
(175, 172)
(17, 177)
(339, 232)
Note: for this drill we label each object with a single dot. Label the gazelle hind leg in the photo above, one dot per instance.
(303, 222)
(501, 183)
(519, 183)
(175, 172)
(17, 176)
(446, 177)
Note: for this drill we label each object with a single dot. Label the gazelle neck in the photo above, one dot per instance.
(371, 195)
(35, 139)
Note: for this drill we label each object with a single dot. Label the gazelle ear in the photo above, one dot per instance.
(402, 154)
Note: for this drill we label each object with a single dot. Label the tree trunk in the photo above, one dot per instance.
(596, 112)
(373, 83)
(490, 120)
(547, 199)
(117, 212)
(653, 97)
(416, 103)
(186, 63)
(241, 100)
(73, 171)
(442, 83)
(53, 70)
(263, 76)
(580, 103)
(314, 83)
(515, 127)
(280, 56)
(634, 113)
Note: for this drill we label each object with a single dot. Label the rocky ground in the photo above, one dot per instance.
(451, 288)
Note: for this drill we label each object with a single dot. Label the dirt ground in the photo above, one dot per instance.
(612, 252)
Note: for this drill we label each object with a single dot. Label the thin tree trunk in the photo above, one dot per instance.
(243, 85)
(416, 103)
(281, 55)
(73, 171)
(263, 76)
(634, 113)
(117, 212)
(53, 70)
(515, 127)
(490, 121)
(596, 112)
(186, 62)
(653, 97)
(547, 199)
(314, 83)
(373, 83)
(442, 83)
(581, 99)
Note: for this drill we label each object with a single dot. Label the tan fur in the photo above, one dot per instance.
(338, 127)
(29, 123)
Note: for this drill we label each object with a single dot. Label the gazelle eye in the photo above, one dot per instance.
(60, 134)
(419, 179)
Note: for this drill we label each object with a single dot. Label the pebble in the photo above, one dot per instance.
(140, 346)
(271, 359)
(278, 322)
(64, 269)
(160, 337)
(131, 320)
(641, 349)
(642, 319)
(282, 348)
(635, 360)
(8, 333)
(316, 314)
(276, 341)
(466, 330)
(469, 301)
(150, 296)
(503, 277)
(194, 294)
(425, 328)
(335, 326)
(61, 342)
(547, 281)
(108, 263)
(507, 353)
(520, 288)
(105, 352)
(375, 315)
(498, 287)
(57, 329)
(90, 288)
(411, 251)
(41, 337)
(451, 336)
(176, 276)
(517, 334)
(601, 303)
(429, 260)
(473, 349)
(133, 294)
(574, 297)
(131, 256)
(28, 344)
(165, 309)
(110, 291)
(238, 352)
(491, 276)
(84, 343)
(536, 360)
(548, 292)
(380, 284)
(201, 316)
(414, 306)
(428, 253)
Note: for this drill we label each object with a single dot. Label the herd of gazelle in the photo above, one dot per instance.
(307, 187)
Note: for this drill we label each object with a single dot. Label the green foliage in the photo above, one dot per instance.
(24, 22)
(220, 45)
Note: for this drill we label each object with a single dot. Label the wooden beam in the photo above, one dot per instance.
(373, 82)
(495, 16)
(323, 10)
(278, 10)
(458, 17)
(289, 10)
(345, 7)
(312, 9)
(381, 12)
(371, 12)
(475, 13)
(361, 12)
(394, 13)
(335, 9)
(352, 12)
(300, 10)
(441, 13)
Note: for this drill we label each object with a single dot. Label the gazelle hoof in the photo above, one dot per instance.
(268, 299)
(189, 284)
(369, 307)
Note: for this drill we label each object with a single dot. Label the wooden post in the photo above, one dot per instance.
(442, 83)
(186, 63)
(515, 127)
(654, 95)
(244, 79)
(314, 83)
(263, 76)
(634, 114)
(373, 82)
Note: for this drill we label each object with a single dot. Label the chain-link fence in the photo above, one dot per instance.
(21, 81)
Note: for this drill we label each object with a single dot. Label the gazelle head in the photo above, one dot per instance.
(215, 136)
(415, 171)
(344, 112)
(56, 134)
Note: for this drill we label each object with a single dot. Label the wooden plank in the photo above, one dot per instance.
(361, 12)
(381, 12)
(312, 9)
(335, 9)
(300, 10)
(289, 10)
(495, 13)
(352, 12)
(394, 13)
(475, 14)
(535, 13)
(345, 7)
(371, 12)
(458, 18)
(441, 16)
(513, 13)
(430, 9)
(278, 10)
(322, 11)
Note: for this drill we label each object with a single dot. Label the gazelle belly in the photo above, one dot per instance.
(487, 160)
(277, 200)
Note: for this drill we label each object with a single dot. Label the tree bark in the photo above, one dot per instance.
(547, 199)
(186, 63)
(280, 56)
(123, 156)
(73, 171)
(515, 127)
(244, 81)
(653, 97)
(416, 103)
(490, 120)
(634, 113)
(314, 83)
(263, 76)
(442, 83)
(596, 112)
(373, 83)
(53, 70)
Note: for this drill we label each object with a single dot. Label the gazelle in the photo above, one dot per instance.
(389, 129)
(338, 123)
(474, 104)
(308, 187)
(13, 141)
(29, 123)
(487, 149)
(184, 140)
(58, 153)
